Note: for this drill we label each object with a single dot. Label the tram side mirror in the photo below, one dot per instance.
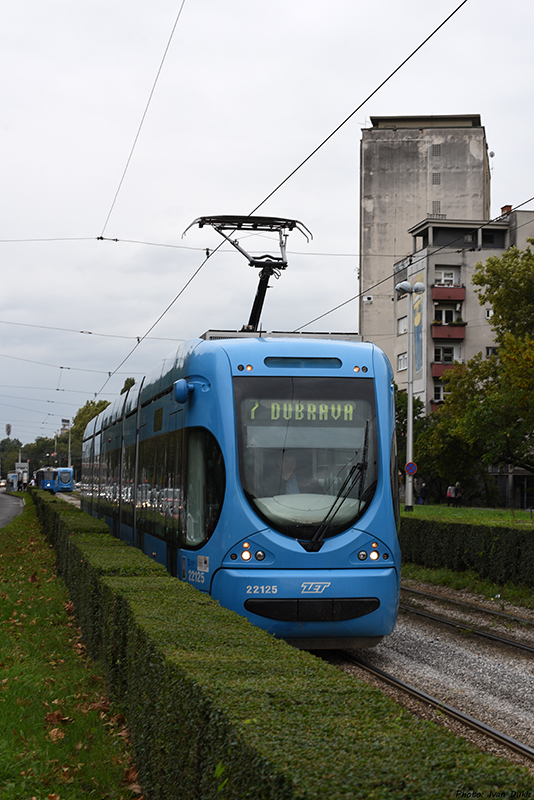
(182, 390)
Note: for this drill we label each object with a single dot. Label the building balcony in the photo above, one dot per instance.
(451, 331)
(455, 293)
(438, 368)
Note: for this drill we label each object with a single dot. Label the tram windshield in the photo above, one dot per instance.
(307, 451)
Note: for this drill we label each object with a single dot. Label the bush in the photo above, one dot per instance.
(218, 708)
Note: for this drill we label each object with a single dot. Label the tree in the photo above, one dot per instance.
(507, 283)
(452, 448)
(83, 416)
(128, 383)
(401, 417)
(488, 414)
(9, 453)
(491, 404)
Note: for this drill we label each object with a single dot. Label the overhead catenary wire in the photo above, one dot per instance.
(316, 150)
(145, 112)
(85, 333)
(358, 108)
(414, 261)
(58, 366)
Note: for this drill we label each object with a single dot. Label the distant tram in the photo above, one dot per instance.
(54, 479)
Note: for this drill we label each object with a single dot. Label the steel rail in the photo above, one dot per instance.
(467, 604)
(469, 629)
(455, 713)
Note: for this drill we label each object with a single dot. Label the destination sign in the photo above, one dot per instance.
(309, 412)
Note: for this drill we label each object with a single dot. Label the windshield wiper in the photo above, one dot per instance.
(356, 473)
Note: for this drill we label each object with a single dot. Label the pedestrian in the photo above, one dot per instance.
(458, 495)
(451, 491)
(423, 493)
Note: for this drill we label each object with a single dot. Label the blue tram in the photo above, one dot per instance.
(54, 479)
(262, 470)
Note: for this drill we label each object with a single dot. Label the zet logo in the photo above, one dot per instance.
(314, 588)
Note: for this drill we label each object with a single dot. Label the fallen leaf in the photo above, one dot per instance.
(53, 716)
(131, 775)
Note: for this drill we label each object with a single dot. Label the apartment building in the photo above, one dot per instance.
(413, 169)
(450, 325)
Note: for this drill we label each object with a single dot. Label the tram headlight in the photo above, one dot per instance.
(362, 555)
(374, 555)
(246, 555)
(259, 555)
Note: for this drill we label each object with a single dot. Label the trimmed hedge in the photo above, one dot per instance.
(219, 709)
(500, 554)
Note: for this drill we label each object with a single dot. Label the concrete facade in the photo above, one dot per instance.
(412, 169)
(450, 325)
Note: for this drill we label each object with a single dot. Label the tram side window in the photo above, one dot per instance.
(205, 485)
(394, 467)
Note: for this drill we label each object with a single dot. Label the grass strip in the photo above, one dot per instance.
(469, 581)
(60, 738)
(501, 517)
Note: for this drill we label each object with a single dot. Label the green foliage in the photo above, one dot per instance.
(507, 283)
(487, 417)
(9, 454)
(498, 554)
(470, 581)
(218, 708)
(401, 416)
(83, 416)
(488, 414)
(128, 383)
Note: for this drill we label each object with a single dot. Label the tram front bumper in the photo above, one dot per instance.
(312, 603)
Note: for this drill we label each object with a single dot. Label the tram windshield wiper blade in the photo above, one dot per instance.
(356, 473)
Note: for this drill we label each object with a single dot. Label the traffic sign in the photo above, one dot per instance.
(411, 468)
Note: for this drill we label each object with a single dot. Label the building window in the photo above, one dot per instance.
(444, 315)
(402, 362)
(436, 206)
(402, 325)
(445, 277)
(489, 313)
(435, 150)
(440, 392)
(444, 355)
(491, 351)
(436, 181)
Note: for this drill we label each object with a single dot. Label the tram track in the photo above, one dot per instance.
(502, 739)
(474, 607)
(471, 618)
(455, 663)
(465, 627)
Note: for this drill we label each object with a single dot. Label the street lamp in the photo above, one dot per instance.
(410, 289)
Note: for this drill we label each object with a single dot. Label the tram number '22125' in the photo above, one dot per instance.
(262, 589)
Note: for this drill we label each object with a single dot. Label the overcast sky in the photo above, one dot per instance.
(248, 89)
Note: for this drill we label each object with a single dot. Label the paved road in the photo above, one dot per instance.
(10, 507)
